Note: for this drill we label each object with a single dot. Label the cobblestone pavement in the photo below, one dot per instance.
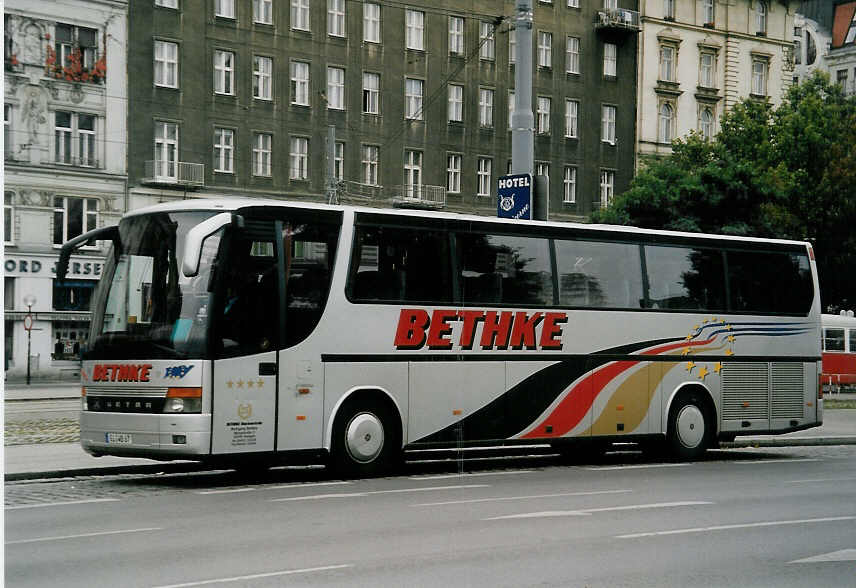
(42, 431)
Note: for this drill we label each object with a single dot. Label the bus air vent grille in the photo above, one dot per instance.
(788, 385)
(745, 390)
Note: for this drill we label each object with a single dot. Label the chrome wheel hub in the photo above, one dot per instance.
(690, 426)
(364, 437)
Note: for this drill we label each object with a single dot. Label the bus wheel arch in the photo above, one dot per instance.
(691, 422)
(366, 434)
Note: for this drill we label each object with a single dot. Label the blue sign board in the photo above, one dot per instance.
(514, 197)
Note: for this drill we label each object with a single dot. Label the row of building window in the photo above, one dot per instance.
(336, 19)
(415, 19)
(167, 61)
(72, 216)
(166, 149)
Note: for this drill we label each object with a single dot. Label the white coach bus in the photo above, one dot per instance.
(259, 331)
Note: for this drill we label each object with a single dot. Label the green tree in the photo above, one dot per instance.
(786, 172)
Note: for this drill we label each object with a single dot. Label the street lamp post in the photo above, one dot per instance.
(29, 300)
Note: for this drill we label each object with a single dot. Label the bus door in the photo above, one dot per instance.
(245, 337)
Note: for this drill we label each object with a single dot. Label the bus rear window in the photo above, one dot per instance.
(769, 282)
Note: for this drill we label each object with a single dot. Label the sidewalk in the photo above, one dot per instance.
(51, 460)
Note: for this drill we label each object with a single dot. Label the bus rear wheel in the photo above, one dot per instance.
(365, 441)
(690, 427)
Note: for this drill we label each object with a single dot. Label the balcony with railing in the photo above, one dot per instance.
(174, 173)
(349, 191)
(617, 20)
(417, 196)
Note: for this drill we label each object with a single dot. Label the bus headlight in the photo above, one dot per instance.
(183, 401)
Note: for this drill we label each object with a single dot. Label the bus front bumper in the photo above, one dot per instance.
(146, 435)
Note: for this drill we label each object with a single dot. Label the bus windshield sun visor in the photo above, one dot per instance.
(110, 233)
(197, 235)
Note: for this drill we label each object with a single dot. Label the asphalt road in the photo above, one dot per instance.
(743, 517)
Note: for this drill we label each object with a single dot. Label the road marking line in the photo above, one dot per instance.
(589, 511)
(736, 526)
(306, 485)
(91, 500)
(279, 487)
(817, 480)
(504, 498)
(256, 576)
(81, 535)
(637, 467)
(470, 475)
(782, 460)
(396, 491)
(843, 555)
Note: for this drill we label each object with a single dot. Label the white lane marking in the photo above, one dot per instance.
(306, 485)
(588, 511)
(81, 535)
(43, 504)
(736, 526)
(637, 467)
(534, 496)
(843, 555)
(471, 475)
(819, 480)
(279, 487)
(256, 576)
(226, 491)
(783, 460)
(373, 492)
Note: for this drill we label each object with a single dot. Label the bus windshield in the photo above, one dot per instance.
(144, 306)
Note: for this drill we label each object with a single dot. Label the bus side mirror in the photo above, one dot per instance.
(110, 233)
(197, 235)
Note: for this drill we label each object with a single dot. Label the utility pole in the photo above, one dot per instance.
(522, 119)
(330, 169)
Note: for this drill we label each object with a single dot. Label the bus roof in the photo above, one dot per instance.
(226, 204)
(837, 320)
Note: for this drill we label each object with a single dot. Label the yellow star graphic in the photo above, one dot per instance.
(240, 383)
(717, 367)
(729, 327)
(689, 337)
(695, 328)
(729, 352)
(714, 320)
(260, 383)
(686, 351)
(702, 373)
(730, 338)
(230, 383)
(690, 366)
(250, 383)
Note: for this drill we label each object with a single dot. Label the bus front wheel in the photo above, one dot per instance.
(690, 428)
(365, 440)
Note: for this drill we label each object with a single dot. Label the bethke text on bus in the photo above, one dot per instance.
(499, 330)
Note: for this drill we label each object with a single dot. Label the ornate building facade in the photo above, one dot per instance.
(64, 114)
(698, 58)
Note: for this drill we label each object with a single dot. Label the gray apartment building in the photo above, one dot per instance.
(238, 97)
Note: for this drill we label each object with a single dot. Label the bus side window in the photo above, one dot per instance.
(398, 265)
(310, 249)
(504, 269)
(249, 294)
(833, 339)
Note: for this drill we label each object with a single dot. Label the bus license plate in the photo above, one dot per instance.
(119, 438)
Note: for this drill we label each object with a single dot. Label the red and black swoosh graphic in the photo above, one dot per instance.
(517, 409)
